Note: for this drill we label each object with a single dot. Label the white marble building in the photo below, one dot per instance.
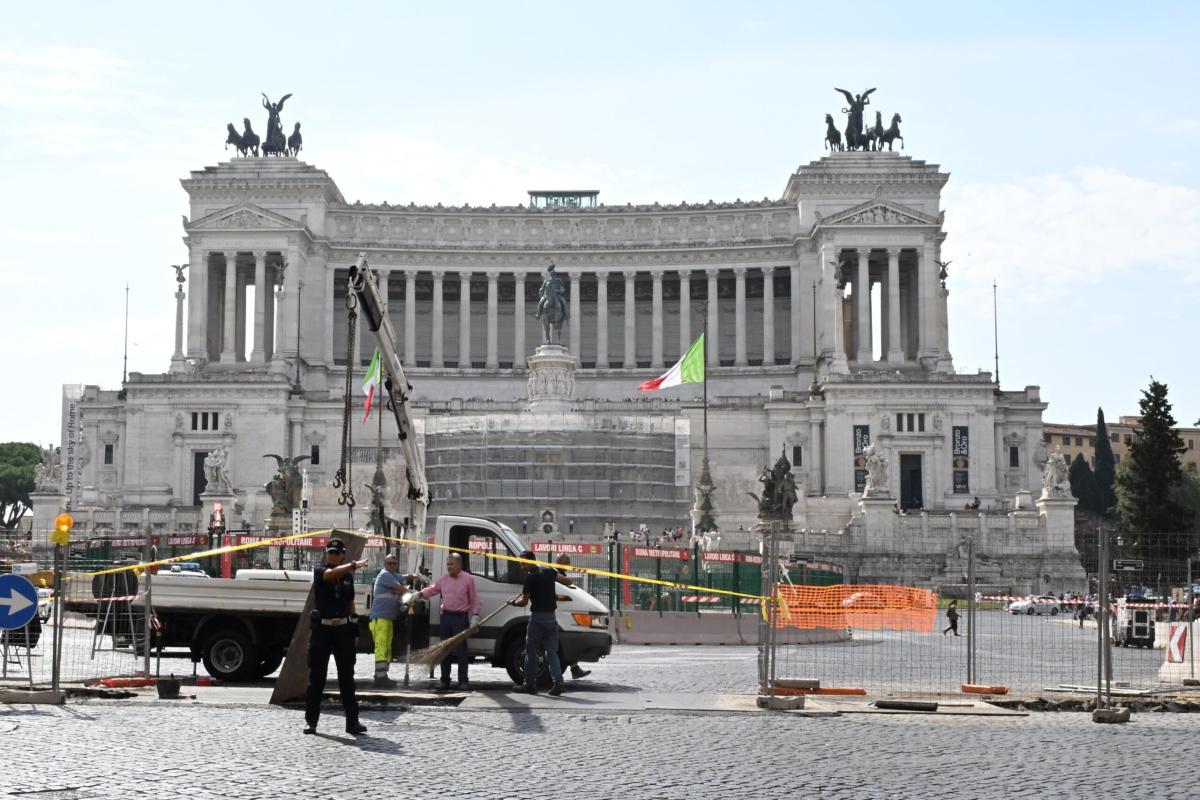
(826, 319)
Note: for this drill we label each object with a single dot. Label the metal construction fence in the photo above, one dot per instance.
(1122, 619)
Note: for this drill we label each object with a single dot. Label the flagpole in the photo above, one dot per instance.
(705, 384)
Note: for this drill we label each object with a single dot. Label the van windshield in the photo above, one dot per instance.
(512, 539)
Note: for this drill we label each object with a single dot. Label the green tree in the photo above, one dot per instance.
(1106, 468)
(17, 463)
(1083, 486)
(1149, 482)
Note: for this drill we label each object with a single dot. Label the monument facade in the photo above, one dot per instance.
(825, 311)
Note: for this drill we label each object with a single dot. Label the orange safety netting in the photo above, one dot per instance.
(865, 606)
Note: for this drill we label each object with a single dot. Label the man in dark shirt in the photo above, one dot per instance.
(333, 632)
(542, 633)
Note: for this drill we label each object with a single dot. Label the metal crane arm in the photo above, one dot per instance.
(366, 290)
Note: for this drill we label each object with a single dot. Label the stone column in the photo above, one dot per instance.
(178, 362)
(519, 321)
(816, 470)
(493, 320)
(576, 289)
(926, 302)
(894, 353)
(259, 352)
(410, 318)
(712, 336)
(197, 335)
(685, 311)
(794, 310)
(228, 339)
(601, 320)
(464, 320)
(330, 273)
(437, 359)
(768, 316)
(862, 307)
(278, 365)
(630, 327)
(739, 317)
(656, 319)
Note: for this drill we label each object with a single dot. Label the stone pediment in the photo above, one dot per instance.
(245, 216)
(877, 212)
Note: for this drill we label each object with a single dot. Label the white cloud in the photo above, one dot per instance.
(1048, 235)
(1181, 126)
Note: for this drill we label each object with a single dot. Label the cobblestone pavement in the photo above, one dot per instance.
(107, 749)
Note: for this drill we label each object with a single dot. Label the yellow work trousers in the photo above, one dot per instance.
(381, 633)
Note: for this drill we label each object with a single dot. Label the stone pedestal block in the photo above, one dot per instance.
(551, 385)
(209, 501)
(879, 522)
(1059, 516)
(46, 506)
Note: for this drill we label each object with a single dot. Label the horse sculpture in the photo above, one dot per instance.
(250, 140)
(234, 138)
(875, 132)
(856, 140)
(892, 133)
(552, 307)
(295, 142)
(833, 138)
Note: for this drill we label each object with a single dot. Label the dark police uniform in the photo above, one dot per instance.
(332, 633)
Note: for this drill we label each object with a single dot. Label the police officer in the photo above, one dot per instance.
(333, 632)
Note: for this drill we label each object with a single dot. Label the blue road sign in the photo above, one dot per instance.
(18, 602)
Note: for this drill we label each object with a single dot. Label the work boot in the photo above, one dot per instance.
(355, 728)
(556, 689)
(381, 677)
(578, 672)
(521, 688)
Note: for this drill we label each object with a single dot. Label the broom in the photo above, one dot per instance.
(436, 654)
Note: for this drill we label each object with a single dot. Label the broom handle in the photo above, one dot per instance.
(502, 606)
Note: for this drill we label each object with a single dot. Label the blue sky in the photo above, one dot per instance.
(1070, 130)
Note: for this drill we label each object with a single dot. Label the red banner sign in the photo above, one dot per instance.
(570, 548)
(731, 557)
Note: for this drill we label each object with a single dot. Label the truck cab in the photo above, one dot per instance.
(582, 619)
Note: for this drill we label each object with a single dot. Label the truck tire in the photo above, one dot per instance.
(514, 662)
(229, 656)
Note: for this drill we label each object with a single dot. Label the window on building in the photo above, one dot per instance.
(1079, 441)
(1091, 441)
(1047, 438)
(1067, 439)
(1128, 440)
(909, 419)
(214, 421)
(195, 421)
(205, 420)
(1115, 438)
(1014, 456)
(1116, 458)
(921, 423)
(108, 454)
(1191, 444)
(314, 454)
(797, 456)
(899, 423)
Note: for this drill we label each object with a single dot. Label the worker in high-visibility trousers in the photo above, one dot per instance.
(385, 608)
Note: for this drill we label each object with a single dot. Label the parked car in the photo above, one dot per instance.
(1043, 604)
(45, 603)
(188, 569)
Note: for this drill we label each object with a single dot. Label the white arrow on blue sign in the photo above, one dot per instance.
(18, 602)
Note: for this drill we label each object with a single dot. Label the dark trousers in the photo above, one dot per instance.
(952, 627)
(541, 636)
(454, 623)
(324, 641)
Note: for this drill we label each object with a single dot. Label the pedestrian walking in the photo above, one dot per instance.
(334, 629)
(577, 671)
(542, 633)
(460, 610)
(952, 618)
(385, 609)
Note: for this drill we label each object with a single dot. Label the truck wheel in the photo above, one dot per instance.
(1054, 611)
(1030, 611)
(229, 655)
(514, 663)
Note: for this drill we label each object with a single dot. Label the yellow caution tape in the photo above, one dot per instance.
(142, 566)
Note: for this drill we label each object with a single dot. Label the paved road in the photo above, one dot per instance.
(146, 750)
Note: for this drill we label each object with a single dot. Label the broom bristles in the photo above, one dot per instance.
(432, 656)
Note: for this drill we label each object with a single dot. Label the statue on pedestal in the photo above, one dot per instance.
(1056, 482)
(216, 472)
(552, 307)
(285, 488)
(877, 471)
(780, 492)
(47, 476)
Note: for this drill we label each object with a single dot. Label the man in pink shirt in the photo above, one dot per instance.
(460, 610)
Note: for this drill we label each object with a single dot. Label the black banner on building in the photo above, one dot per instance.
(862, 438)
(960, 452)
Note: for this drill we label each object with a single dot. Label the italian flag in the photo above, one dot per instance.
(689, 369)
(371, 380)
